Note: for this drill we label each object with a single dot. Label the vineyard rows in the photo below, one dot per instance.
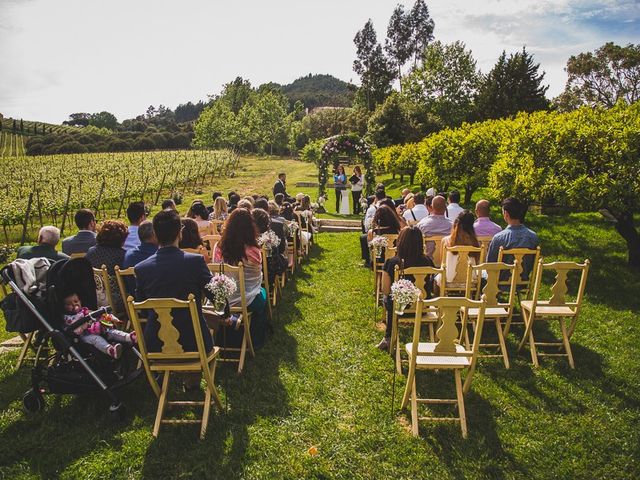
(57, 185)
(33, 128)
(11, 145)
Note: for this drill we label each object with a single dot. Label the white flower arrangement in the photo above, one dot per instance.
(269, 240)
(222, 287)
(321, 200)
(306, 214)
(378, 243)
(315, 206)
(290, 228)
(404, 293)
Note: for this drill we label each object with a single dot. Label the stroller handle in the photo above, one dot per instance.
(89, 316)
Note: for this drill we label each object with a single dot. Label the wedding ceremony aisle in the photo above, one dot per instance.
(316, 400)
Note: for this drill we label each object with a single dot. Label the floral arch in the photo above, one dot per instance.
(354, 147)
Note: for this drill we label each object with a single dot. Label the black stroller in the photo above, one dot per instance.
(71, 366)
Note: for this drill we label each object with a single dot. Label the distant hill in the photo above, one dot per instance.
(320, 91)
(30, 127)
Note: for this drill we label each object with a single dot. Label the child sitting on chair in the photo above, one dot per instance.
(97, 332)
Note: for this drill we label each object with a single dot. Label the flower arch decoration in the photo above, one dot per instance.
(353, 146)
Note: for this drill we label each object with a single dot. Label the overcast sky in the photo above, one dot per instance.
(64, 56)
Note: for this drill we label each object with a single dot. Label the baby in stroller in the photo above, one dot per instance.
(98, 333)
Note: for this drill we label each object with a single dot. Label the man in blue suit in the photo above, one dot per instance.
(85, 238)
(172, 273)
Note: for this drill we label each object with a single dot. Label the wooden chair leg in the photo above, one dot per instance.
(398, 356)
(461, 411)
(26, 345)
(503, 346)
(565, 341)
(532, 349)
(432, 333)
(528, 323)
(205, 413)
(162, 403)
(414, 408)
(407, 389)
(247, 334)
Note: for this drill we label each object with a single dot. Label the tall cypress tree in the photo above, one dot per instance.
(422, 26)
(513, 85)
(375, 70)
(399, 41)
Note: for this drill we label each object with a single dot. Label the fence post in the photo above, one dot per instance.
(160, 189)
(124, 194)
(66, 208)
(26, 219)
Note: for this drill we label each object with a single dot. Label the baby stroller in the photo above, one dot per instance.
(72, 366)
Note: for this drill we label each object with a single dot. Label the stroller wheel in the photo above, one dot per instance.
(117, 412)
(33, 401)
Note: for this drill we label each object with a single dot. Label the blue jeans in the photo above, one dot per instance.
(258, 326)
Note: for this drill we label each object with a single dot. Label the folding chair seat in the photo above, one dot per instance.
(556, 308)
(446, 353)
(173, 359)
(496, 310)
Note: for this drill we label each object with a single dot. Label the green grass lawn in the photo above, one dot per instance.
(320, 382)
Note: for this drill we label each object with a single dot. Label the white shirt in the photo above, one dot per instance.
(357, 187)
(368, 216)
(453, 210)
(419, 212)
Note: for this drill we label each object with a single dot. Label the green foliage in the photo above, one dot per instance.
(512, 86)
(390, 123)
(319, 91)
(312, 151)
(422, 27)
(104, 120)
(399, 41)
(602, 78)
(446, 83)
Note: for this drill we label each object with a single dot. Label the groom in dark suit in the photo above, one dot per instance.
(172, 273)
(85, 238)
(281, 187)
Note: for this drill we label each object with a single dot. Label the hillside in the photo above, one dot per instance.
(30, 127)
(319, 91)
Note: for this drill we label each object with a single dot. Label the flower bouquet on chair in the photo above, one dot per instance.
(404, 293)
(378, 243)
(221, 287)
(269, 241)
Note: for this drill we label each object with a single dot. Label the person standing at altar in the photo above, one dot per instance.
(281, 187)
(357, 183)
(340, 181)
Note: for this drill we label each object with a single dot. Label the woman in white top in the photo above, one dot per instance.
(356, 189)
(200, 214)
(462, 234)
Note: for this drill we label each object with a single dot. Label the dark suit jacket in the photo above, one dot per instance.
(172, 273)
(278, 187)
(278, 227)
(81, 242)
(40, 251)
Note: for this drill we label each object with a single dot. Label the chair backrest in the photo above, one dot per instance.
(216, 227)
(421, 275)
(485, 241)
(103, 287)
(560, 288)
(211, 241)
(490, 273)
(237, 273)
(205, 229)
(122, 274)
(434, 251)
(457, 258)
(525, 257)
(171, 349)
(447, 334)
(78, 255)
(193, 250)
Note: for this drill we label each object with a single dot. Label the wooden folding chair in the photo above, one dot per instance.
(496, 310)
(556, 307)
(292, 252)
(122, 274)
(210, 242)
(172, 358)
(237, 273)
(265, 282)
(458, 259)
(378, 261)
(304, 227)
(103, 287)
(485, 241)
(216, 227)
(78, 255)
(421, 275)
(436, 254)
(524, 282)
(444, 354)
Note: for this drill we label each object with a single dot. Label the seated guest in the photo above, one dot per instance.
(274, 212)
(380, 196)
(108, 251)
(172, 273)
(136, 213)
(462, 234)
(385, 222)
(409, 253)
(277, 262)
(416, 213)
(239, 244)
(48, 238)
(483, 226)
(190, 238)
(279, 199)
(403, 195)
(220, 210)
(148, 246)
(454, 208)
(515, 235)
(275, 223)
(436, 224)
(246, 204)
(86, 236)
(214, 196)
(234, 198)
(169, 204)
(199, 213)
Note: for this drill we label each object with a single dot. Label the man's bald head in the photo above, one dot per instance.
(438, 205)
(482, 208)
(405, 192)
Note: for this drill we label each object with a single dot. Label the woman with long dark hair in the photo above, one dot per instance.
(385, 222)
(239, 244)
(357, 184)
(409, 253)
(198, 212)
(462, 234)
(191, 238)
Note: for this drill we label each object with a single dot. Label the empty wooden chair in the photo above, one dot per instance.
(172, 358)
(446, 353)
(237, 273)
(500, 304)
(420, 276)
(556, 307)
(527, 260)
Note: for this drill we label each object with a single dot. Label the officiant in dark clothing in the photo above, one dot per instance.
(281, 187)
